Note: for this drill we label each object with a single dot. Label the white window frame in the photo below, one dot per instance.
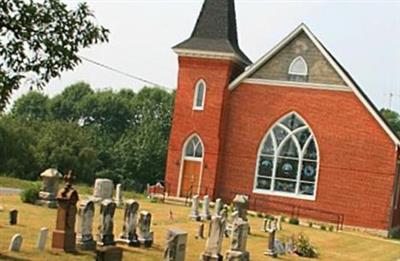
(291, 72)
(195, 107)
(299, 158)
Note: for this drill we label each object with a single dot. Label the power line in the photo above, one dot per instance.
(123, 73)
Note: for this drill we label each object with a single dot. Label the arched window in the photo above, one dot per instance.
(287, 162)
(194, 148)
(199, 95)
(298, 70)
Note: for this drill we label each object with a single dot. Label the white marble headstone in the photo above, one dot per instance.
(42, 238)
(16, 243)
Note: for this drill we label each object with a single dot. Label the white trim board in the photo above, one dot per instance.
(304, 85)
(208, 54)
(303, 28)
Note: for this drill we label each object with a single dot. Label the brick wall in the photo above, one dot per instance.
(357, 158)
(206, 123)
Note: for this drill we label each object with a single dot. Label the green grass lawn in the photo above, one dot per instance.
(331, 245)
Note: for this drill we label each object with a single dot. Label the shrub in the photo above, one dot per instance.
(30, 194)
(269, 217)
(394, 233)
(283, 218)
(331, 228)
(310, 224)
(303, 246)
(294, 221)
(260, 215)
(323, 227)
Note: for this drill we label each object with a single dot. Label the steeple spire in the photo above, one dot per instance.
(215, 30)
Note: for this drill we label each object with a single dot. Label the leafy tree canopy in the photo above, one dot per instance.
(32, 106)
(41, 39)
(118, 135)
(393, 118)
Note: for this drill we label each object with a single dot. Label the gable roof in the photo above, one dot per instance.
(335, 64)
(215, 30)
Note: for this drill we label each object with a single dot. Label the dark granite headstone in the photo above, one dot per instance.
(13, 216)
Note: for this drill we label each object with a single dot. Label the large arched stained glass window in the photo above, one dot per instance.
(288, 160)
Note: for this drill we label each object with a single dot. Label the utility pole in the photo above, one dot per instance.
(390, 95)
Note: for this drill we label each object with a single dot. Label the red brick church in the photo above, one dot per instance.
(293, 130)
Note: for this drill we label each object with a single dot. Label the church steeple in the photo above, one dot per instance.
(215, 31)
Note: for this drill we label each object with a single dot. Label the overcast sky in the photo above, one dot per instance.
(363, 35)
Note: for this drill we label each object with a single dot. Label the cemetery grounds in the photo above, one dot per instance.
(347, 245)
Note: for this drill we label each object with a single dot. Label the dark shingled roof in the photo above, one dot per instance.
(215, 30)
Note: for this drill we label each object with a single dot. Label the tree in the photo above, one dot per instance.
(140, 154)
(67, 105)
(393, 118)
(41, 39)
(31, 106)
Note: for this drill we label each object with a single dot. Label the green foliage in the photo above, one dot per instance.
(310, 224)
(67, 106)
(394, 233)
(331, 228)
(294, 221)
(393, 118)
(283, 218)
(303, 246)
(121, 135)
(32, 106)
(323, 227)
(41, 39)
(30, 194)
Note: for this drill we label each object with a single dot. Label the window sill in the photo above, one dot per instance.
(284, 194)
(198, 109)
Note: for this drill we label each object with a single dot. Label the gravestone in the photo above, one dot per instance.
(64, 235)
(279, 223)
(129, 235)
(103, 189)
(50, 181)
(175, 249)
(218, 206)
(145, 235)
(42, 238)
(239, 234)
(118, 196)
(214, 241)
(16, 243)
(194, 214)
(109, 253)
(106, 227)
(279, 247)
(84, 236)
(271, 250)
(200, 231)
(241, 204)
(206, 215)
(13, 217)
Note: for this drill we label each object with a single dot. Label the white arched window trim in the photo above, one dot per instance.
(199, 107)
(196, 145)
(300, 158)
(295, 60)
(184, 158)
